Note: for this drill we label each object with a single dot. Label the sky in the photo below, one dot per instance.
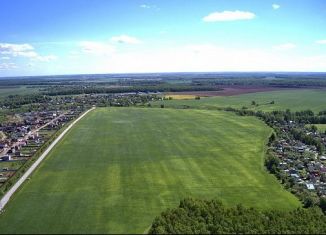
(49, 37)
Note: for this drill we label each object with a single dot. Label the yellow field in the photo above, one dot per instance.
(181, 97)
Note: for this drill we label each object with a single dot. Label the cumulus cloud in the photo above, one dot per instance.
(229, 16)
(285, 46)
(23, 50)
(96, 48)
(276, 6)
(321, 41)
(125, 39)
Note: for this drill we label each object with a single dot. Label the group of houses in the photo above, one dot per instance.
(302, 163)
(23, 137)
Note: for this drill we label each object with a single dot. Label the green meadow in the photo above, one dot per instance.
(118, 168)
(287, 99)
(320, 127)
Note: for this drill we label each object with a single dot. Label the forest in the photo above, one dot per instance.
(194, 216)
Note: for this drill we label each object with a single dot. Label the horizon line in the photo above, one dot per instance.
(148, 73)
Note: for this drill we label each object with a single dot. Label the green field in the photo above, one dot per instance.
(320, 127)
(290, 99)
(118, 168)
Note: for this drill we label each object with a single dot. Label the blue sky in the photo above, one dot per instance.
(114, 36)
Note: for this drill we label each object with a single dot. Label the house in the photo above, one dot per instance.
(2, 146)
(6, 158)
(310, 186)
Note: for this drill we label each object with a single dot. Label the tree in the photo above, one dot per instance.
(253, 102)
(272, 163)
(272, 138)
(197, 98)
(322, 204)
(313, 128)
(162, 106)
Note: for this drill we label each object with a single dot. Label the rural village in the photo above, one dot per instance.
(300, 166)
(21, 139)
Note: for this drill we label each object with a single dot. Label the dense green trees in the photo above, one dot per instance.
(203, 217)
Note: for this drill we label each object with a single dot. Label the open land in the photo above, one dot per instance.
(228, 91)
(120, 167)
(294, 100)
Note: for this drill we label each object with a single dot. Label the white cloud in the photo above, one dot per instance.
(96, 48)
(321, 41)
(7, 66)
(206, 57)
(125, 39)
(229, 16)
(276, 6)
(146, 6)
(5, 58)
(46, 58)
(285, 46)
(23, 50)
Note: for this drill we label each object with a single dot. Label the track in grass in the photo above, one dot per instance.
(294, 100)
(119, 168)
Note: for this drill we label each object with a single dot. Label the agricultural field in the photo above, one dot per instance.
(286, 99)
(180, 97)
(118, 168)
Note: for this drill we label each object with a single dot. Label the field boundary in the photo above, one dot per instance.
(5, 199)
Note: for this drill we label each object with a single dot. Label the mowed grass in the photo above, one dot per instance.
(294, 100)
(118, 168)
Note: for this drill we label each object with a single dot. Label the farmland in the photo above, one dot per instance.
(286, 99)
(120, 167)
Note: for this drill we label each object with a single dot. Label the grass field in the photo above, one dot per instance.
(320, 127)
(292, 99)
(120, 167)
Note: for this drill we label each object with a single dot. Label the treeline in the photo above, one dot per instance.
(74, 90)
(15, 101)
(265, 82)
(212, 217)
(306, 116)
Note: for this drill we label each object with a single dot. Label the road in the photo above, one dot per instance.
(5, 199)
